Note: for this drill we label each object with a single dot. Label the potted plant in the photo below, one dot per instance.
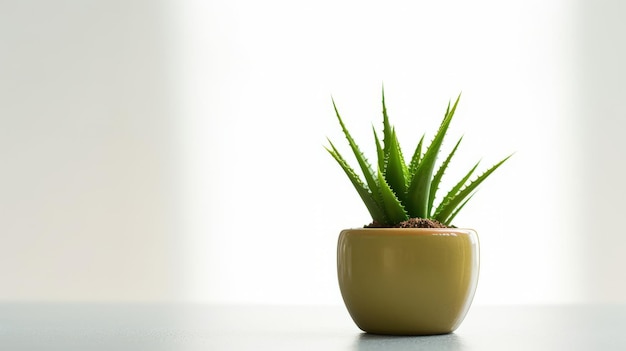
(410, 271)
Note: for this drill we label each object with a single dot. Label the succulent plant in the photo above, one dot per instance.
(397, 190)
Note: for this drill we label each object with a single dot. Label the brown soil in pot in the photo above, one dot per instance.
(411, 223)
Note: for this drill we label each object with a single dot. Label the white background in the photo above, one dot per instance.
(173, 151)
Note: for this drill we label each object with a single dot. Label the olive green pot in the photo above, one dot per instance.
(402, 281)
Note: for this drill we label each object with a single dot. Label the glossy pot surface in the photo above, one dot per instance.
(408, 281)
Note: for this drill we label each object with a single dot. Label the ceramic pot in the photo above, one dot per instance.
(402, 281)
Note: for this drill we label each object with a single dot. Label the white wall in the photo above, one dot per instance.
(601, 89)
(88, 176)
(173, 150)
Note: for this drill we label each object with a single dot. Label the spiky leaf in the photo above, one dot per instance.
(379, 150)
(395, 168)
(452, 203)
(434, 185)
(387, 129)
(368, 198)
(415, 160)
(455, 190)
(366, 168)
(458, 209)
(419, 188)
(394, 210)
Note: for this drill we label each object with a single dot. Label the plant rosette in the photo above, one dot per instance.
(410, 271)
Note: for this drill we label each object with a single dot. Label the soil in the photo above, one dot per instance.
(411, 223)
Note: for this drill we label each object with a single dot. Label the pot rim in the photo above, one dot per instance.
(410, 231)
(413, 229)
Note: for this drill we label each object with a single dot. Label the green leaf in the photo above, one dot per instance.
(434, 185)
(394, 167)
(387, 129)
(458, 209)
(395, 170)
(455, 190)
(394, 210)
(455, 201)
(366, 168)
(374, 208)
(419, 188)
(379, 150)
(415, 160)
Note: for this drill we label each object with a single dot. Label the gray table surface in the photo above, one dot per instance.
(80, 326)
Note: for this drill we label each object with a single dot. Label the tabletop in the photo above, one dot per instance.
(189, 327)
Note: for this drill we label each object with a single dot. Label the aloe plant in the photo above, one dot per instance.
(396, 190)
